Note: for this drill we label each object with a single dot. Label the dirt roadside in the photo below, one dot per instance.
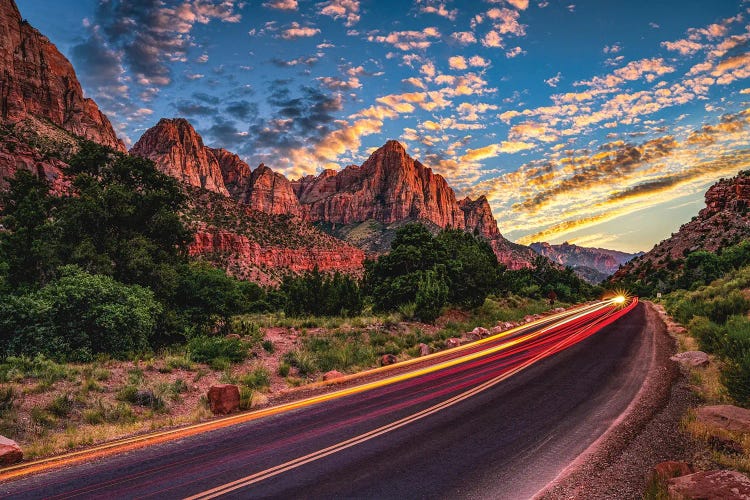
(616, 465)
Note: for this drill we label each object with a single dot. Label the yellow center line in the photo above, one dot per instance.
(173, 434)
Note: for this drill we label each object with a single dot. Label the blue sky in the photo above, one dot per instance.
(600, 123)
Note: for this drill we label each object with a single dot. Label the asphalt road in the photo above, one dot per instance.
(464, 431)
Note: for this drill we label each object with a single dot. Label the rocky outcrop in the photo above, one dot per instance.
(224, 398)
(271, 192)
(390, 186)
(603, 261)
(10, 452)
(235, 174)
(37, 80)
(177, 150)
(478, 217)
(724, 221)
(710, 485)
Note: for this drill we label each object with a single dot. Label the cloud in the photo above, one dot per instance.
(494, 150)
(437, 7)
(335, 83)
(519, 4)
(515, 51)
(342, 9)
(148, 34)
(464, 37)
(408, 40)
(553, 81)
(281, 4)
(242, 110)
(301, 60)
(457, 62)
(684, 47)
(297, 31)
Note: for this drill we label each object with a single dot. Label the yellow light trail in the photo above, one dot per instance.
(136, 442)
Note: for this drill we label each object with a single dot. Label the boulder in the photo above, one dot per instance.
(388, 359)
(497, 329)
(729, 417)
(224, 398)
(424, 349)
(332, 375)
(452, 342)
(10, 452)
(479, 333)
(710, 485)
(691, 359)
(664, 471)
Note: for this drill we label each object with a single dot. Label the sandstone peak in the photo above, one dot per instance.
(178, 150)
(38, 81)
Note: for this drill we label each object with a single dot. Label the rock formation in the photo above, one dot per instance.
(235, 174)
(271, 192)
(43, 112)
(724, 221)
(478, 217)
(178, 150)
(389, 187)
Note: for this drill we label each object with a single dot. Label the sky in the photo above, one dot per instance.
(597, 123)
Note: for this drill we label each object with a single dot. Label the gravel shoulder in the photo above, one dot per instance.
(616, 465)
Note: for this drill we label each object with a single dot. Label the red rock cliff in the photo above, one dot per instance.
(478, 217)
(235, 173)
(36, 79)
(178, 150)
(271, 192)
(390, 186)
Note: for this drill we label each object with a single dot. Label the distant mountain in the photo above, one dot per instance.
(724, 221)
(362, 205)
(43, 111)
(591, 264)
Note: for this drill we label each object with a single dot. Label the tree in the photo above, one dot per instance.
(432, 294)
(471, 267)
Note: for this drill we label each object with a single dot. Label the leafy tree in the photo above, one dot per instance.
(77, 316)
(431, 296)
(470, 267)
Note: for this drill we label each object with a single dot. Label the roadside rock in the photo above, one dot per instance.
(452, 342)
(10, 452)
(332, 375)
(664, 471)
(424, 349)
(691, 359)
(497, 329)
(729, 417)
(716, 484)
(224, 398)
(388, 359)
(479, 333)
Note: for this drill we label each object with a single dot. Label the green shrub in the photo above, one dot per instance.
(431, 296)
(7, 399)
(259, 379)
(303, 360)
(246, 397)
(736, 377)
(113, 414)
(39, 367)
(710, 335)
(284, 369)
(217, 350)
(268, 346)
(61, 406)
(78, 315)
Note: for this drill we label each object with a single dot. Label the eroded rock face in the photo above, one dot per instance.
(603, 260)
(478, 217)
(248, 259)
(390, 186)
(235, 174)
(224, 398)
(724, 221)
(177, 150)
(716, 484)
(36, 79)
(272, 193)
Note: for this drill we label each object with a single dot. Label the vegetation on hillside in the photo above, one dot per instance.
(717, 316)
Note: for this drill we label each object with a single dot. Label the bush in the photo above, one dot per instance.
(78, 315)
(113, 414)
(431, 296)
(736, 377)
(214, 350)
(61, 406)
(7, 399)
(259, 379)
(303, 360)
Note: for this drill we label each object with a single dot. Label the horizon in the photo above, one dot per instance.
(592, 151)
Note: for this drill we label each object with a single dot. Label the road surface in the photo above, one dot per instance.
(499, 421)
